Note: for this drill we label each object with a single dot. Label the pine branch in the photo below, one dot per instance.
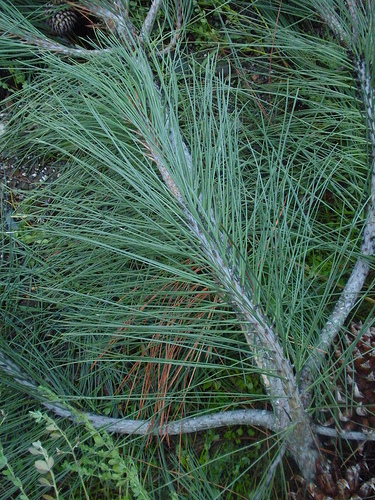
(356, 281)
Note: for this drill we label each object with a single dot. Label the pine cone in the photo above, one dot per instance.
(360, 378)
(355, 394)
(60, 17)
(331, 486)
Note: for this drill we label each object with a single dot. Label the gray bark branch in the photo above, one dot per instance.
(354, 285)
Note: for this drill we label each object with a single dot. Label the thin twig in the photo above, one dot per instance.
(116, 23)
(347, 435)
(270, 473)
(150, 19)
(177, 32)
(59, 48)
